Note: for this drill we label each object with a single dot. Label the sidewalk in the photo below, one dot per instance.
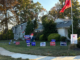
(36, 57)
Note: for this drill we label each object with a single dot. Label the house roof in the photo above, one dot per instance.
(61, 20)
(64, 24)
(19, 25)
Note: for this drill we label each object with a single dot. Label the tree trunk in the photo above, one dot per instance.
(6, 24)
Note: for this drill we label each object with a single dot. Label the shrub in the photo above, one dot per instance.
(41, 37)
(79, 39)
(4, 36)
(62, 38)
(78, 45)
(8, 35)
(54, 36)
(19, 58)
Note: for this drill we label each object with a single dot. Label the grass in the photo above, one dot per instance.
(37, 50)
(9, 58)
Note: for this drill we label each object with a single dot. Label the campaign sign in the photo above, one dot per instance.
(52, 44)
(10, 40)
(28, 44)
(33, 43)
(52, 40)
(27, 41)
(27, 37)
(17, 43)
(63, 43)
(42, 43)
(74, 39)
(9, 43)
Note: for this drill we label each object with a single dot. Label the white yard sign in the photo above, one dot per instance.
(42, 43)
(73, 38)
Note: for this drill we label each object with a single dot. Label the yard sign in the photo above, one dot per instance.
(17, 43)
(73, 38)
(42, 43)
(63, 43)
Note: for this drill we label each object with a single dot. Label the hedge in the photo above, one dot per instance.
(41, 37)
(54, 36)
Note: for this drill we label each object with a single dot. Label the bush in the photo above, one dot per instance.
(4, 36)
(62, 38)
(41, 37)
(54, 36)
(8, 35)
(78, 45)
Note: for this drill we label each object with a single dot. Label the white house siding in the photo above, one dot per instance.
(17, 30)
(66, 33)
(63, 32)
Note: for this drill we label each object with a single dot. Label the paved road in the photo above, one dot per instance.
(36, 57)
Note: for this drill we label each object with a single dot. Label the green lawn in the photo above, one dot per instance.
(37, 50)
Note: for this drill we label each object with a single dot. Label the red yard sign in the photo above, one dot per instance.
(17, 43)
(52, 43)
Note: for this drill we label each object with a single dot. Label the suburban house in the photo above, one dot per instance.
(62, 28)
(19, 30)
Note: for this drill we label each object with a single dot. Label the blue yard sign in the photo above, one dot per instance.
(33, 43)
(52, 40)
(27, 41)
(27, 37)
(9, 43)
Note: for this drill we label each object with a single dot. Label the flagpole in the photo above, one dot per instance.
(72, 16)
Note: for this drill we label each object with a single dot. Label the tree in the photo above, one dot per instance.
(9, 34)
(67, 12)
(6, 5)
(49, 27)
(76, 28)
(29, 28)
(75, 9)
(35, 24)
(28, 10)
